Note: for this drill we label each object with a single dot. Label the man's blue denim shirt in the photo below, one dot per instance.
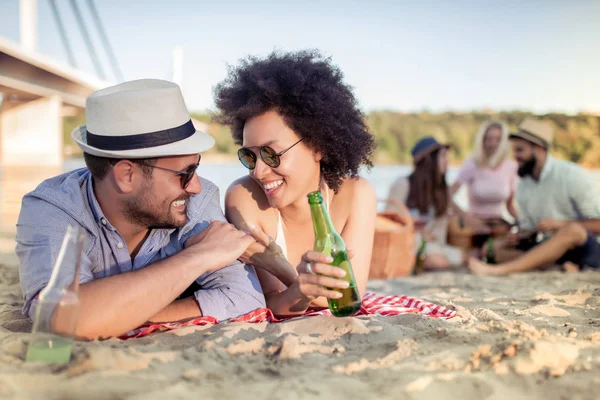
(69, 199)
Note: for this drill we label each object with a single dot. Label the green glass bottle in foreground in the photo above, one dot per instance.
(50, 350)
(57, 308)
(420, 258)
(490, 253)
(328, 241)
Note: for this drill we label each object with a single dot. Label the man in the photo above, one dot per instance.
(152, 226)
(558, 200)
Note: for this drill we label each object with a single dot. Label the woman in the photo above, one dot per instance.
(491, 178)
(425, 194)
(300, 131)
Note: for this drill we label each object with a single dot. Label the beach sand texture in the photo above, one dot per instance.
(534, 335)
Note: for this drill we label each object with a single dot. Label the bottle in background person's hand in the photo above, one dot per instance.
(420, 258)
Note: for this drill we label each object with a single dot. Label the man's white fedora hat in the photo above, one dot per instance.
(139, 119)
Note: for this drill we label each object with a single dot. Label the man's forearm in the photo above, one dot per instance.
(114, 305)
(592, 225)
(178, 310)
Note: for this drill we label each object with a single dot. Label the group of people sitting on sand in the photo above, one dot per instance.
(557, 210)
(158, 247)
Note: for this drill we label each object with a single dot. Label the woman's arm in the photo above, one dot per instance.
(281, 300)
(242, 210)
(309, 290)
(359, 231)
(272, 268)
(455, 208)
(465, 175)
(510, 206)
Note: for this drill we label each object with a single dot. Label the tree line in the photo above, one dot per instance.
(577, 137)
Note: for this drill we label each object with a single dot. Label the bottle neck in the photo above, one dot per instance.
(321, 221)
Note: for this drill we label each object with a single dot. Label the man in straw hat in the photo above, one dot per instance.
(152, 226)
(559, 212)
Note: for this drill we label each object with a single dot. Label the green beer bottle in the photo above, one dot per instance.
(58, 300)
(420, 258)
(328, 241)
(490, 254)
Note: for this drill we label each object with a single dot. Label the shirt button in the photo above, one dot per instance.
(103, 221)
(120, 245)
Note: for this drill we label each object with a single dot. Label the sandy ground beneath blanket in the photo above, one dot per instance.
(535, 335)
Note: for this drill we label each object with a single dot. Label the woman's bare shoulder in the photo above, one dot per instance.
(246, 194)
(356, 189)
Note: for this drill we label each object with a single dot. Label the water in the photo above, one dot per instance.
(16, 181)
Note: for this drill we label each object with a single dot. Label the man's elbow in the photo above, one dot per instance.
(87, 334)
(88, 329)
(243, 303)
(249, 302)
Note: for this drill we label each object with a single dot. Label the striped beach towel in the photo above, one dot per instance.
(372, 304)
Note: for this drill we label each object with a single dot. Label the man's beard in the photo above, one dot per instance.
(138, 211)
(528, 167)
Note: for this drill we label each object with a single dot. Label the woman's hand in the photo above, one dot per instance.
(268, 255)
(316, 277)
(428, 236)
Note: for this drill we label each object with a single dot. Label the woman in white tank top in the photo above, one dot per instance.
(300, 131)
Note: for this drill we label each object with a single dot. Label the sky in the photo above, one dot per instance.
(536, 55)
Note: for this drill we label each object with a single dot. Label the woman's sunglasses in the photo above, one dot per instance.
(185, 176)
(267, 154)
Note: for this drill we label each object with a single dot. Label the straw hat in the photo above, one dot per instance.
(139, 119)
(535, 132)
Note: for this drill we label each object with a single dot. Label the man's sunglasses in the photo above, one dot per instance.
(185, 176)
(267, 154)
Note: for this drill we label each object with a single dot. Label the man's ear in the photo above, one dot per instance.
(125, 175)
(539, 151)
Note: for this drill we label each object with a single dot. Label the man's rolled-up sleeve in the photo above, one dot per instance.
(38, 243)
(584, 195)
(230, 292)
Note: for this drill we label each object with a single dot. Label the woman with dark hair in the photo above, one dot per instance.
(300, 131)
(425, 193)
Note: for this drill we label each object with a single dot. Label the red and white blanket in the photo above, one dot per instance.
(372, 304)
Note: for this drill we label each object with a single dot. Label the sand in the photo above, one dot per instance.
(535, 335)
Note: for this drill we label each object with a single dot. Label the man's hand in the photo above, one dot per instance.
(266, 254)
(477, 224)
(512, 240)
(551, 225)
(219, 245)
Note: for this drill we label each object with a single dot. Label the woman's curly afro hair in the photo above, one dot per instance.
(308, 92)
